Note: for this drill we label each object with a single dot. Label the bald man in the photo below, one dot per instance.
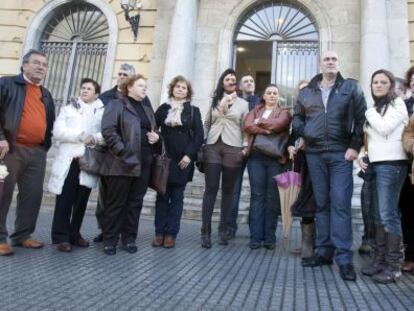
(329, 116)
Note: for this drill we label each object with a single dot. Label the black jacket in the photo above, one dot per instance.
(181, 140)
(339, 127)
(12, 97)
(121, 129)
(109, 95)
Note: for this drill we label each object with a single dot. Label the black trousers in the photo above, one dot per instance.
(123, 204)
(102, 189)
(407, 218)
(212, 178)
(70, 207)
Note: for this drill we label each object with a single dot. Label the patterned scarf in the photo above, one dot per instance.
(174, 113)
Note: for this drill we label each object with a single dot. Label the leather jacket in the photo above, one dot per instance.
(337, 127)
(12, 97)
(121, 130)
(277, 122)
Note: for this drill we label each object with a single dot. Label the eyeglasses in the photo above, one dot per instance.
(121, 74)
(37, 63)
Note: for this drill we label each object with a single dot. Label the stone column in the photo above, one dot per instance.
(181, 45)
(398, 37)
(374, 41)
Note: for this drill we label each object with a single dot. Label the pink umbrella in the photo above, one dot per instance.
(288, 184)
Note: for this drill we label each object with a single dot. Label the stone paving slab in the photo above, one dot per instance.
(187, 277)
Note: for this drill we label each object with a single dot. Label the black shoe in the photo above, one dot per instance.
(316, 261)
(255, 245)
(130, 248)
(205, 241)
(269, 246)
(98, 238)
(223, 238)
(110, 250)
(231, 233)
(347, 272)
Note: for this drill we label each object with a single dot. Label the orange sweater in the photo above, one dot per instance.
(32, 128)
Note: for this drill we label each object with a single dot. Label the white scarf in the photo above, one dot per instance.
(174, 113)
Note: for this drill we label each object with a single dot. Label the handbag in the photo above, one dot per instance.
(368, 172)
(200, 161)
(92, 159)
(273, 146)
(159, 171)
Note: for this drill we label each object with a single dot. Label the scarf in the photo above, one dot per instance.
(173, 118)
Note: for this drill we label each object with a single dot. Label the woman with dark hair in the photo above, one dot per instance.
(268, 119)
(223, 152)
(388, 163)
(182, 134)
(77, 126)
(407, 192)
(128, 126)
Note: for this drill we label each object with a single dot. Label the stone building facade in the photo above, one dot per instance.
(201, 38)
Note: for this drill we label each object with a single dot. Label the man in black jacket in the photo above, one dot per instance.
(27, 113)
(329, 115)
(124, 72)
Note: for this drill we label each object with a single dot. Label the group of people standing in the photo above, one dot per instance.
(330, 128)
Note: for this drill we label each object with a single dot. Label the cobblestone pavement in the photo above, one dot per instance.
(188, 277)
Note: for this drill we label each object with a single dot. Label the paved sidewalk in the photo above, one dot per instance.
(188, 277)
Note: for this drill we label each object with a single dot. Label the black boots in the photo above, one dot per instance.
(380, 247)
(393, 258)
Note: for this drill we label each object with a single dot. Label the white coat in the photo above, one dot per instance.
(70, 127)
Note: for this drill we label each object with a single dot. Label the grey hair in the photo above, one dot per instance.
(128, 68)
(31, 52)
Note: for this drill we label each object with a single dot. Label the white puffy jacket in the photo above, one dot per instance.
(72, 124)
(385, 132)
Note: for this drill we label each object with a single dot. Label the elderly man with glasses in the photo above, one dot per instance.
(27, 113)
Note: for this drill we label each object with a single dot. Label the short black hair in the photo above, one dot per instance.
(94, 83)
(26, 57)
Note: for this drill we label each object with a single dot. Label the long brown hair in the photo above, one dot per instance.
(384, 101)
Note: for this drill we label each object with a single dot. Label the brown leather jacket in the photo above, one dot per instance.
(408, 142)
(278, 121)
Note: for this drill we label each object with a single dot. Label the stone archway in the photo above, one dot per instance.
(225, 53)
(40, 20)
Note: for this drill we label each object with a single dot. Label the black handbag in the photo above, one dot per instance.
(92, 159)
(200, 161)
(160, 170)
(271, 145)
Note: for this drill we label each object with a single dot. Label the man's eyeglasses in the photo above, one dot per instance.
(121, 74)
(37, 63)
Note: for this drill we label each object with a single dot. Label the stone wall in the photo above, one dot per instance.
(16, 16)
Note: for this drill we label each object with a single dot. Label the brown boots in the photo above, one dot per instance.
(388, 255)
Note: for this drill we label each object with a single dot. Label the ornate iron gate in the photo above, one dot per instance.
(75, 42)
(292, 62)
(293, 33)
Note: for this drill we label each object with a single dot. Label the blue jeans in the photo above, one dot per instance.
(234, 207)
(388, 182)
(264, 200)
(168, 210)
(332, 185)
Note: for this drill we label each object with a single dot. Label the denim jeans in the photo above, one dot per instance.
(234, 207)
(332, 185)
(168, 210)
(264, 200)
(388, 181)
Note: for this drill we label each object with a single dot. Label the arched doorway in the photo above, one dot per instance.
(278, 42)
(75, 40)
